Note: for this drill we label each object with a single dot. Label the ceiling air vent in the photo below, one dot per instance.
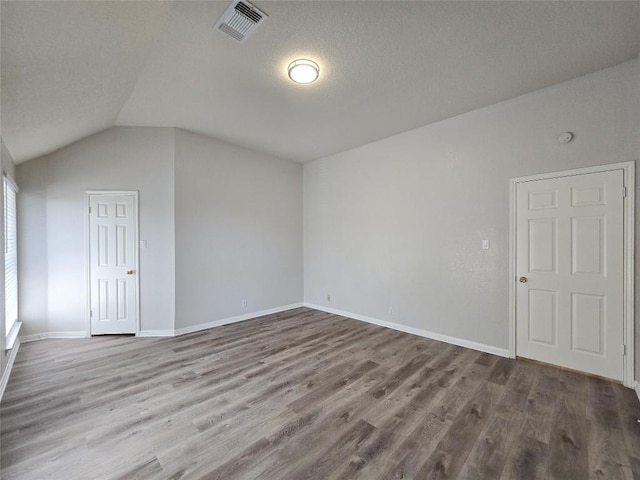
(240, 20)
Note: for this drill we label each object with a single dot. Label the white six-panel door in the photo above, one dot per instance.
(112, 244)
(569, 263)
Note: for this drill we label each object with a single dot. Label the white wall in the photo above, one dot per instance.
(238, 230)
(53, 291)
(399, 222)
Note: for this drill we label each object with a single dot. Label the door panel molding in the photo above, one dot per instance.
(585, 197)
(88, 194)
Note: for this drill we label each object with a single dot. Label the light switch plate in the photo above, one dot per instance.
(485, 244)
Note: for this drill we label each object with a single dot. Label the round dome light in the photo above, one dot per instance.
(303, 71)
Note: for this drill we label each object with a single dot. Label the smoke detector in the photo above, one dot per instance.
(565, 137)
(240, 20)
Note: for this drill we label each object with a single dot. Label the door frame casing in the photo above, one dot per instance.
(87, 197)
(628, 170)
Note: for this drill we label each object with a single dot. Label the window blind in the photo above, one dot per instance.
(10, 254)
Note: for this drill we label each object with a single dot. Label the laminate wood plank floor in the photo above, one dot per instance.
(306, 395)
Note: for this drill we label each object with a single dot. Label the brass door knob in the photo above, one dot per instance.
(523, 279)
(129, 272)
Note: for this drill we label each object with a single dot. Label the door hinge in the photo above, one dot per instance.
(89, 210)
(624, 192)
(625, 350)
(91, 313)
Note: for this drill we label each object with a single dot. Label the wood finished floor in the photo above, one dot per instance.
(306, 395)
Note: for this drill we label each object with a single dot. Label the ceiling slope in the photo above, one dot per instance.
(386, 67)
(68, 67)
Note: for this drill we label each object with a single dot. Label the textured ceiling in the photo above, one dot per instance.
(67, 68)
(70, 69)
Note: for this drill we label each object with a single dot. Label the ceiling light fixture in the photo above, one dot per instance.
(303, 71)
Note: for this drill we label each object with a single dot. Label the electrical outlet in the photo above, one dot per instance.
(328, 297)
(244, 303)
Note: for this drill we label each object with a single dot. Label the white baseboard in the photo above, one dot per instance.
(638, 389)
(168, 333)
(9, 367)
(69, 334)
(157, 333)
(239, 318)
(42, 336)
(503, 352)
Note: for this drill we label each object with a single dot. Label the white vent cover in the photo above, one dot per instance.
(240, 20)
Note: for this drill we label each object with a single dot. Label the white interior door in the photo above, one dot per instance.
(569, 263)
(113, 276)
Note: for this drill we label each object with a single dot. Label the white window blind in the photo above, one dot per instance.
(10, 254)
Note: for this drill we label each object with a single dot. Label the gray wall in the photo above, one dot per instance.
(235, 232)
(395, 223)
(33, 268)
(52, 255)
(238, 230)
(398, 223)
(8, 166)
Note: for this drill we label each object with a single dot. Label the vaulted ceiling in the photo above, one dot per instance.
(71, 69)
